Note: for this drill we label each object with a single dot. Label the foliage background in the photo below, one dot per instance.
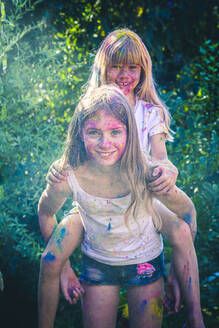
(46, 50)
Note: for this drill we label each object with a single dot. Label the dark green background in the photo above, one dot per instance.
(46, 51)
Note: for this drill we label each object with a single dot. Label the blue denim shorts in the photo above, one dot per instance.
(97, 273)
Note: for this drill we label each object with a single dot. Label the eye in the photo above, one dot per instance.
(116, 132)
(116, 67)
(133, 67)
(92, 133)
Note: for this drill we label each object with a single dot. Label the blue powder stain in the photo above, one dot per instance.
(109, 225)
(143, 304)
(187, 218)
(62, 233)
(49, 257)
(190, 280)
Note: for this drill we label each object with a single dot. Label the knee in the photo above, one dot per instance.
(181, 235)
(50, 264)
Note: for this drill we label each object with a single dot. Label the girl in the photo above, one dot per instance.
(123, 59)
(121, 244)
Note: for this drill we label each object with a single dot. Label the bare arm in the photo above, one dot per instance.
(179, 203)
(168, 171)
(50, 202)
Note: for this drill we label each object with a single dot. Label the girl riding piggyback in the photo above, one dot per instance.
(123, 60)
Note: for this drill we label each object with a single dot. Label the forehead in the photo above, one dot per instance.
(103, 120)
(126, 53)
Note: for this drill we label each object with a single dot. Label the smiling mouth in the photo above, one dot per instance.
(123, 84)
(105, 154)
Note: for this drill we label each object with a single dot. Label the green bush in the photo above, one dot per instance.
(195, 153)
(41, 78)
(39, 86)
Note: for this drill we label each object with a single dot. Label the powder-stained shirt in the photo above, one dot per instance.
(149, 122)
(107, 239)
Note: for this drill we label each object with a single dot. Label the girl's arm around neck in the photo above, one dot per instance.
(51, 200)
(179, 203)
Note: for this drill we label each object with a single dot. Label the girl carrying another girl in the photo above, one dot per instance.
(123, 59)
(122, 220)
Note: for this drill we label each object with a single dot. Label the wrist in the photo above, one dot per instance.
(66, 266)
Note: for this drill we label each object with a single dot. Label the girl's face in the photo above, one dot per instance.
(126, 76)
(104, 138)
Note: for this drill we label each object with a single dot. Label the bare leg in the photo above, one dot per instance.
(70, 284)
(99, 306)
(184, 262)
(145, 305)
(58, 249)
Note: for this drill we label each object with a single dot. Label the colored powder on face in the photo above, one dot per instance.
(49, 257)
(187, 218)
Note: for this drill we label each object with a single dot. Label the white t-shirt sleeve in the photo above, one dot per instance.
(156, 124)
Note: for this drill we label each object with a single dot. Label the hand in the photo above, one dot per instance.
(173, 295)
(56, 174)
(70, 285)
(167, 175)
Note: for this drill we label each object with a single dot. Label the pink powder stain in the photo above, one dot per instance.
(149, 105)
(145, 269)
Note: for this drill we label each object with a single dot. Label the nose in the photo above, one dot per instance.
(105, 142)
(123, 71)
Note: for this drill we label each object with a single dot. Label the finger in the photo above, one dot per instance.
(67, 296)
(161, 187)
(163, 191)
(177, 300)
(81, 289)
(76, 298)
(50, 178)
(157, 182)
(76, 293)
(60, 174)
(59, 171)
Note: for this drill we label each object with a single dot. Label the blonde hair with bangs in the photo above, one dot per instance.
(123, 46)
(134, 165)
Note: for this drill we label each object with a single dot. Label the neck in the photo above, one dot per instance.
(98, 169)
(131, 99)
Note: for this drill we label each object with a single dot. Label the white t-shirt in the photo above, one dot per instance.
(149, 122)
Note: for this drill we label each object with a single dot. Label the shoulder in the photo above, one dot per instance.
(153, 113)
(151, 108)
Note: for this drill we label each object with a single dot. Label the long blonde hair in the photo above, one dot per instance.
(134, 165)
(123, 46)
